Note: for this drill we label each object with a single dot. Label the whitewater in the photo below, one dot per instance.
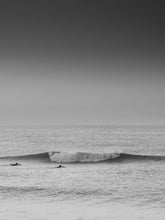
(111, 172)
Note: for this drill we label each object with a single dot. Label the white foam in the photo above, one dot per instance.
(81, 157)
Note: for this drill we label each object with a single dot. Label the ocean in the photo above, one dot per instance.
(110, 172)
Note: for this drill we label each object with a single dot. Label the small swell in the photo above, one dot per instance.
(138, 157)
(43, 157)
(83, 157)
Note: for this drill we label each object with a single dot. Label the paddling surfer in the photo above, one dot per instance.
(15, 164)
(60, 166)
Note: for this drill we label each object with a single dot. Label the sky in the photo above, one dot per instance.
(82, 62)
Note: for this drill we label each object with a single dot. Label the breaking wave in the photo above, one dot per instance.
(83, 157)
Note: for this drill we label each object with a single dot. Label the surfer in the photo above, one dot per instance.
(15, 164)
(60, 166)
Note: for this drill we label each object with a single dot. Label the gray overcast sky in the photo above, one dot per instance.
(82, 62)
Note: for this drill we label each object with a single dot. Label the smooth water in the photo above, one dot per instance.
(110, 173)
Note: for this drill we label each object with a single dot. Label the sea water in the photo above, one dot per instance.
(111, 172)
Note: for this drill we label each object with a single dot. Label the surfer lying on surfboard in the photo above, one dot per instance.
(60, 166)
(15, 164)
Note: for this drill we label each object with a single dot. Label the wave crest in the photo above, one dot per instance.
(83, 157)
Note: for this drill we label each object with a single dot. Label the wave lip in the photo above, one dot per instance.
(83, 157)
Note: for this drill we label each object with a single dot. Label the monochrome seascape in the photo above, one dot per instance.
(82, 110)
